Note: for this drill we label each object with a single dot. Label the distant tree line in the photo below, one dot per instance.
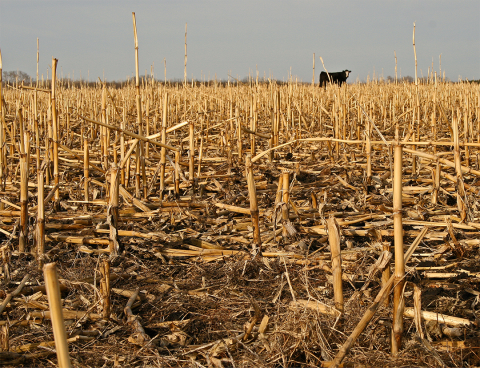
(406, 79)
(409, 79)
(13, 77)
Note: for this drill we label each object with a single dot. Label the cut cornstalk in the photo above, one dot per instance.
(58, 324)
(368, 152)
(239, 133)
(278, 197)
(252, 192)
(285, 199)
(253, 124)
(112, 212)
(122, 145)
(436, 183)
(386, 273)
(147, 127)
(191, 154)
(37, 133)
(200, 158)
(23, 236)
(40, 234)
(105, 288)
(334, 241)
(103, 130)
(177, 174)
(399, 260)
(86, 173)
(461, 205)
(163, 153)
(55, 134)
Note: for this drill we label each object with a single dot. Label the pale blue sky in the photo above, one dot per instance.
(234, 37)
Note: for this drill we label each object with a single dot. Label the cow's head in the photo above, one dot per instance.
(347, 72)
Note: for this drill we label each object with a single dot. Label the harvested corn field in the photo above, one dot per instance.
(240, 224)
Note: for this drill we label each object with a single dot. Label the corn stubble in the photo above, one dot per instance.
(274, 199)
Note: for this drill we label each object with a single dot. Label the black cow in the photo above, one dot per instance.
(338, 78)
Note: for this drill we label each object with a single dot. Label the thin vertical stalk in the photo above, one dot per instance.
(191, 162)
(139, 153)
(55, 134)
(229, 153)
(336, 112)
(147, 127)
(55, 305)
(13, 134)
(395, 54)
(286, 200)
(368, 152)
(185, 70)
(163, 151)
(200, 157)
(38, 59)
(27, 149)
(313, 74)
(239, 134)
(177, 174)
(386, 273)
(272, 139)
(253, 125)
(138, 170)
(436, 183)
(67, 129)
(252, 192)
(458, 168)
(23, 236)
(275, 122)
(113, 211)
(399, 253)
(35, 122)
(20, 128)
(48, 155)
(103, 130)
(466, 133)
(416, 120)
(144, 174)
(277, 119)
(40, 235)
(127, 171)
(115, 156)
(86, 172)
(122, 143)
